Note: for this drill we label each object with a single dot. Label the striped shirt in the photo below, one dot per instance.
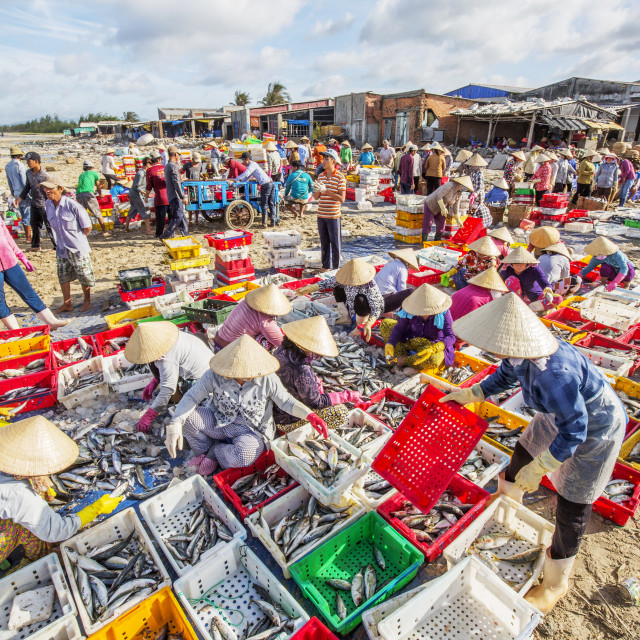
(336, 184)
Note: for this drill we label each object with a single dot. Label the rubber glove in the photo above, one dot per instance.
(173, 441)
(548, 294)
(390, 353)
(366, 330)
(27, 265)
(147, 392)
(443, 207)
(340, 397)
(451, 273)
(423, 354)
(145, 422)
(318, 424)
(104, 504)
(465, 396)
(310, 288)
(610, 286)
(528, 478)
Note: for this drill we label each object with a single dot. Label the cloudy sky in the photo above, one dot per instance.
(71, 57)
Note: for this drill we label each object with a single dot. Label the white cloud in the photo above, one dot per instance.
(332, 27)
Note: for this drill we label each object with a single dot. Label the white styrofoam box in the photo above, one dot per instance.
(170, 305)
(360, 493)
(358, 417)
(116, 528)
(169, 511)
(111, 365)
(365, 205)
(237, 253)
(619, 365)
(515, 403)
(505, 516)
(66, 628)
(233, 572)
(40, 573)
(189, 275)
(278, 239)
(312, 259)
(579, 227)
(439, 258)
(360, 194)
(468, 601)
(194, 285)
(284, 253)
(403, 201)
(498, 460)
(326, 495)
(610, 229)
(376, 199)
(372, 617)
(289, 503)
(412, 386)
(86, 367)
(297, 260)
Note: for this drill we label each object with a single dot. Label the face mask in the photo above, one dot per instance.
(310, 357)
(601, 257)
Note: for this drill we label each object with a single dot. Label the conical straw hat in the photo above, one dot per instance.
(520, 256)
(426, 301)
(463, 155)
(537, 147)
(270, 146)
(269, 300)
(501, 233)
(243, 358)
(561, 248)
(476, 161)
(465, 181)
(35, 447)
(427, 147)
(406, 255)
(501, 183)
(551, 155)
(489, 279)
(291, 145)
(436, 146)
(542, 237)
(507, 327)
(366, 146)
(355, 272)
(486, 246)
(150, 341)
(540, 158)
(589, 153)
(519, 155)
(596, 158)
(312, 334)
(601, 246)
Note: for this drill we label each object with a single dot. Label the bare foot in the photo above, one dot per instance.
(66, 307)
(59, 323)
(34, 249)
(86, 306)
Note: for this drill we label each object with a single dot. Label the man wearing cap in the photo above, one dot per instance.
(157, 184)
(35, 177)
(232, 167)
(88, 180)
(17, 179)
(330, 190)
(387, 155)
(109, 168)
(405, 170)
(586, 173)
(71, 225)
(136, 197)
(267, 188)
(175, 195)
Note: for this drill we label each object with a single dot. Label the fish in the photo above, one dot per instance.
(342, 585)
(370, 581)
(530, 555)
(258, 487)
(357, 588)
(488, 542)
(619, 491)
(341, 608)
(379, 558)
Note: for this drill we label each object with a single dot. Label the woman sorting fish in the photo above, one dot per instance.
(541, 238)
(30, 451)
(255, 315)
(305, 341)
(480, 290)
(555, 264)
(443, 205)
(422, 337)
(616, 270)
(176, 359)
(574, 439)
(482, 255)
(392, 278)
(235, 423)
(502, 239)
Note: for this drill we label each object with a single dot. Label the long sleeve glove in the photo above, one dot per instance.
(366, 330)
(173, 441)
(443, 207)
(528, 478)
(145, 422)
(310, 288)
(27, 265)
(340, 397)
(318, 424)
(104, 504)
(465, 396)
(610, 286)
(390, 353)
(423, 354)
(147, 392)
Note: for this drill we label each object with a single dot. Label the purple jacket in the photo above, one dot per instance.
(532, 281)
(405, 169)
(627, 172)
(416, 327)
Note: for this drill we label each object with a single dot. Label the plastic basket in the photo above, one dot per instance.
(179, 249)
(504, 415)
(192, 286)
(628, 446)
(409, 224)
(236, 291)
(576, 334)
(412, 387)
(313, 630)
(45, 397)
(472, 229)
(66, 628)
(425, 452)
(231, 267)
(281, 239)
(63, 345)
(230, 255)
(208, 311)
(496, 459)
(40, 573)
(469, 601)
(480, 367)
(102, 339)
(88, 394)
(408, 239)
(25, 347)
(225, 282)
(188, 263)
(567, 316)
(356, 418)
(232, 572)
(170, 305)
(424, 276)
(115, 528)
(14, 335)
(138, 278)
(189, 275)
(156, 289)
(620, 365)
(343, 555)
(226, 478)
(287, 504)
(116, 320)
(229, 239)
(298, 284)
(112, 365)
(168, 512)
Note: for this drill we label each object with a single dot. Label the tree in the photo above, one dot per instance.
(44, 124)
(241, 98)
(276, 94)
(96, 117)
(130, 116)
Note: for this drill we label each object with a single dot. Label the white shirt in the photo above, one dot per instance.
(108, 165)
(417, 165)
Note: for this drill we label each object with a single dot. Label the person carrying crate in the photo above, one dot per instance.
(267, 188)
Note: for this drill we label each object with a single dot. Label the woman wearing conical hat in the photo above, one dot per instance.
(574, 439)
(443, 206)
(392, 278)
(31, 450)
(512, 165)
(482, 255)
(227, 416)
(502, 239)
(616, 270)
(499, 193)
(477, 207)
(555, 263)
(422, 337)
(541, 238)
(305, 341)
(480, 290)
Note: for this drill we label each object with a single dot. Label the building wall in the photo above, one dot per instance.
(354, 113)
(599, 91)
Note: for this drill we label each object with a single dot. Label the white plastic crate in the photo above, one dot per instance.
(194, 285)
(170, 305)
(515, 403)
(358, 417)
(609, 229)
(279, 239)
(412, 386)
(358, 490)
(403, 231)
(469, 601)
(312, 259)
(438, 258)
(618, 365)
(66, 628)
(111, 364)
(579, 227)
(142, 302)
(115, 528)
(403, 201)
(313, 308)
(326, 495)
(228, 579)
(372, 617)
(297, 260)
(284, 253)
(41, 573)
(289, 503)
(189, 275)
(506, 517)
(237, 253)
(376, 199)
(169, 511)
(497, 460)
(618, 295)
(88, 394)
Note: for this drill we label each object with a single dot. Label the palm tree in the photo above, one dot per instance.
(241, 98)
(130, 116)
(276, 94)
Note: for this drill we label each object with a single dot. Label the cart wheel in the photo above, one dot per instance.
(239, 214)
(207, 215)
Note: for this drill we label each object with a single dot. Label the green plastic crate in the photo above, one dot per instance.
(208, 311)
(178, 320)
(137, 282)
(632, 223)
(343, 555)
(525, 192)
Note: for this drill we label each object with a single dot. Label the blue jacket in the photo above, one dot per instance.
(616, 260)
(496, 195)
(298, 185)
(367, 157)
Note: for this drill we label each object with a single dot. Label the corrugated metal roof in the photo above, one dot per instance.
(509, 107)
(564, 124)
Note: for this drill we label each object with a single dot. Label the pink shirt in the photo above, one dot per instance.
(469, 299)
(243, 319)
(10, 253)
(544, 175)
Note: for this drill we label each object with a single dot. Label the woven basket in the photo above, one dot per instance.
(591, 205)
(517, 213)
(497, 213)
(621, 147)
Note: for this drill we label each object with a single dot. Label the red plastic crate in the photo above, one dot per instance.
(222, 296)
(243, 238)
(298, 284)
(293, 272)
(231, 274)
(200, 294)
(23, 361)
(217, 195)
(123, 197)
(554, 200)
(538, 216)
(24, 331)
(471, 230)
(632, 427)
(389, 394)
(629, 336)
(46, 380)
(425, 275)
(596, 328)
(431, 445)
(62, 345)
(374, 341)
(105, 202)
(233, 265)
(313, 630)
(227, 280)
(378, 267)
(350, 194)
(595, 340)
(567, 315)
(226, 478)
(576, 267)
(465, 490)
(156, 289)
(104, 349)
(578, 213)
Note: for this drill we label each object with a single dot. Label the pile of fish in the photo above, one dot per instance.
(631, 405)
(619, 491)
(33, 367)
(131, 370)
(257, 487)
(476, 467)
(109, 576)
(563, 334)
(31, 392)
(26, 336)
(375, 486)
(363, 585)
(412, 387)
(502, 433)
(634, 455)
(456, 375)
(359, 435)
(162, 634)
(113, 345)
(77, 352)
(203, 532)
(611, 351)
(389, 411)
(89, 379)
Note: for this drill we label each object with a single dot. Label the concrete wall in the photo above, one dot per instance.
(601, 92)
(354, 113)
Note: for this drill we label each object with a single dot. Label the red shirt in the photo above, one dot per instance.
(235, 169)
(157, 184)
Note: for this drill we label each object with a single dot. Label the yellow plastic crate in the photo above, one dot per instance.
(188, 251)
(627, 447)
(188, 263)
(409, 224)
(577, 334)
(408, 239)
(488, 410)
(19, 348)
(131, 316)
(631, 388)
(107, 225)
(353, 178)
(459, 359)
(410, 217)
(229, 289)
(571, 301)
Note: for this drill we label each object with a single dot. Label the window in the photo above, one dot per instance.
(401, 129)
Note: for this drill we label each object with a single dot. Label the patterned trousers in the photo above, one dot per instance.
(334, 416)
(13, 535)
(427, 354)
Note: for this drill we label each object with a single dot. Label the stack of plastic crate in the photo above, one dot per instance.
(524, 194)
(283, 249)
(409, 214)
(234, 265)
(107, 212)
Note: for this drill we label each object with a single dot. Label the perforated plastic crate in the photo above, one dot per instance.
(313, 630)
(170, 305)
(66, 628)
(107, 348)
(472, 229)
(114, 365)
(627, 447)
(157, 288)
(370, 503)
(500, 415)
(424, 276)
(357, 417)
(480, 371)
(620, 360)
(282, 239)
(64, 345)
(494, 457)
(44, 397)
(183, 247)
(70, 398)
(225, 240)
(25, 347)
(390, 395)
(116, 320)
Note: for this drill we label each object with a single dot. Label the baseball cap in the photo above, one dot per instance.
(173, 149)
(87, 164)
(155, 155)
(32, 155)
(332, 153)
(246, 154)
(48, 184)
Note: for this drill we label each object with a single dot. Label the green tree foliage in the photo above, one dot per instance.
(241, 98)
(45, 124)
(276, 94)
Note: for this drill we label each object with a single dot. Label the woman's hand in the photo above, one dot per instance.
(27, 265)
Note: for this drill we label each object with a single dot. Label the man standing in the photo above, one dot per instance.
(216, 158)
(387, 155)
(85, 193)
(406, 170)
(318, 150)
(233, 167)
(417, 171)
(71, 225)
(35, 177)
(157, 184)
(267, 188)
(109, 167)
(175, 195)
(17, 179)
(304, 151)
(330, 190)
(627, 177)
(136, 197)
